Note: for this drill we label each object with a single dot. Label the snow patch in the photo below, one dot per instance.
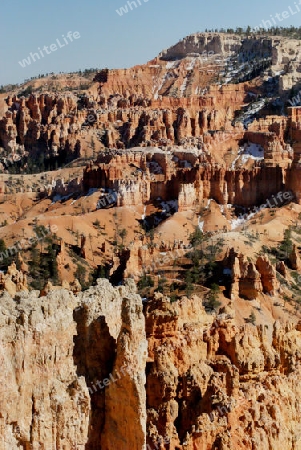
(144, 213)
(192, 64)
(201, 224)
(241, 220)
(171, 64)
(249, 151)
(184, 86)
(164, 79)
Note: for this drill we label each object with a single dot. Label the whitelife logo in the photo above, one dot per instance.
(278, 17)
(296, 100)
(53, 48)
(124, 9)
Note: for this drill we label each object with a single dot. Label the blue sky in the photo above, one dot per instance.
(109, 40)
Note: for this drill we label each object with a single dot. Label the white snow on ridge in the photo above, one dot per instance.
(184, 85)
(171, 65)
(201, 225)
(249, 151)
(144, 213)
(280, 72)
(156, 94)
(254, 151)
(241, 220)
(191, 64)
(248, 116)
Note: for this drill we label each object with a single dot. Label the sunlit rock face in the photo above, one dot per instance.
(213, 384)
(91, 371)
(67, 362)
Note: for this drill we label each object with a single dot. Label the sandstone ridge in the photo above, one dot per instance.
(89, 380)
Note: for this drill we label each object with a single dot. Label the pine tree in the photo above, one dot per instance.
(92, 143)
(189, 285)
(212, 302)
(123, 234)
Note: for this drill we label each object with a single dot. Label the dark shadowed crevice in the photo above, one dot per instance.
(94, 355)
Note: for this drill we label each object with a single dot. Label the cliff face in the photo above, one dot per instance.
(204, 93)
(211, 384)
(60, 355)
(39, 380)
(78, 373)
(187, 177)
(216, 43)
(221, 169)
(250, 279)
(199, 84)
(56, 125)
(45, 121)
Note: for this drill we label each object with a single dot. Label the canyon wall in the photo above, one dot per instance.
(78, 373)
(217, 43)
(183, 177)
(211, 384)
(69, 366)
(188, 89)
(192, 176)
